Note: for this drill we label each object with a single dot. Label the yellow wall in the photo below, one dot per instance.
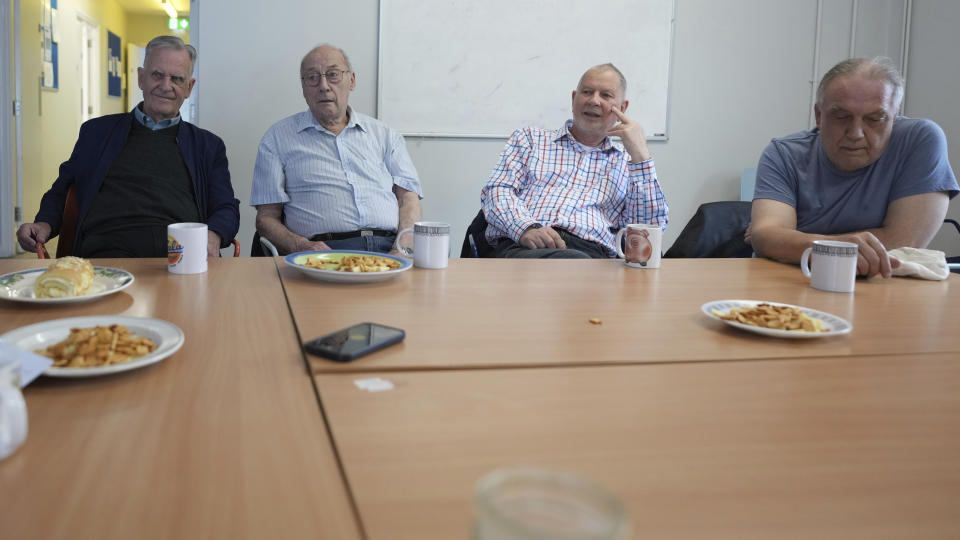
(144, 27)
(51, 118)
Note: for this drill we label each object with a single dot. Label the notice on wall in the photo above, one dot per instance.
(114, 65)
(48, 43)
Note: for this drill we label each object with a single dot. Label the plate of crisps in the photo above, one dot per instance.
(19, 286)
(776, 319)
(98, 345)
(345, 266)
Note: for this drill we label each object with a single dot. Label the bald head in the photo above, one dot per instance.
(878, 68)
(608, 67)
(326, 49)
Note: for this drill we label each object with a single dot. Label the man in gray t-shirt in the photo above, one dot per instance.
(863, 175)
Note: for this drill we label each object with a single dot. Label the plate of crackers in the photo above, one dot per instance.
(345, 266)
(98, 345)
(776, 319)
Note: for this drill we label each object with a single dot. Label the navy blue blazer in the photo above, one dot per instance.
(101, 141)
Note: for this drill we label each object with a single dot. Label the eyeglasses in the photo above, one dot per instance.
(177, 80)
(333, 77)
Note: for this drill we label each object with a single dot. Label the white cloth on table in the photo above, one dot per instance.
(921, 263)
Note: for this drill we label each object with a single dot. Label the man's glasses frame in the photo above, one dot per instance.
(333, 77)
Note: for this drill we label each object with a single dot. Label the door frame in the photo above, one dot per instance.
(9, 135)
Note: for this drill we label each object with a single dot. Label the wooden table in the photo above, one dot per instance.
(512, 313)
(846, 447)
(224, 439)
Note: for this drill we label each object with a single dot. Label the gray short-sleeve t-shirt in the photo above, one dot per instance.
(794, 170)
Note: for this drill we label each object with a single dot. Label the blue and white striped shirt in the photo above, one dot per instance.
(333, 183)
(547, 177)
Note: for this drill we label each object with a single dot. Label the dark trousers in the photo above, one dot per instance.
(577, 248)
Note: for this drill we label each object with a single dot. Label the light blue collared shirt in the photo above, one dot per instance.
(333, 183)
(149, 123)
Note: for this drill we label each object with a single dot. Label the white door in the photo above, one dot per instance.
(89, 68)
(135, 56)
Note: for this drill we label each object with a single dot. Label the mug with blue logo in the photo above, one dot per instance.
(187, 248)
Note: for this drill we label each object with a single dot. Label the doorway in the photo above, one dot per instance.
(89, 67)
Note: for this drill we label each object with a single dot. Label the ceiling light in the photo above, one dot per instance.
(168, 7)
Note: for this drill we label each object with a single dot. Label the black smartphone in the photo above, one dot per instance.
(351, 343)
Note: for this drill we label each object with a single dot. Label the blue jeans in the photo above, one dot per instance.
(577, 248)
(379, 244)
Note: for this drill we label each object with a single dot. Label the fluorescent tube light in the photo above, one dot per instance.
(168, 7)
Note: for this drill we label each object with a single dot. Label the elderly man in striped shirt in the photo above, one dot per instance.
(330, 177)
(563, 193)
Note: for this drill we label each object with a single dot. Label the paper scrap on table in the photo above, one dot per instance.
(31, 365)
(375, 384)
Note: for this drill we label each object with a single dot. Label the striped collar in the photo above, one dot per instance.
(306, 120)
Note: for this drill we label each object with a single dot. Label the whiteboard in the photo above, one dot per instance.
(467, 68)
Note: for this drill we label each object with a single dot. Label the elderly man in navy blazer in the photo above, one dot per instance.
(135, 173)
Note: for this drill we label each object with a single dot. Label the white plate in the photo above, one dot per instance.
(168, 337)
(18, 286)
(836, 325)
(296, 260)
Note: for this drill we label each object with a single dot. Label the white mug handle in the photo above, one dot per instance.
(409, 251)
(805, 260)
(616, 242)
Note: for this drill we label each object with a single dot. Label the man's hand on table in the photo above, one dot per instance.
(542, 237)
(872, 256)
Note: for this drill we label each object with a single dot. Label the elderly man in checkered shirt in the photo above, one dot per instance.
(564, 193)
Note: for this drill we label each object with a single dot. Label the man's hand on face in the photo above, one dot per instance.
(632, 135)
(542, 237)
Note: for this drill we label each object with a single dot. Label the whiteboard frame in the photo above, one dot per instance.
(483, 136)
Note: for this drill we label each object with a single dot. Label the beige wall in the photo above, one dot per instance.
(144, 27)
(51, 118)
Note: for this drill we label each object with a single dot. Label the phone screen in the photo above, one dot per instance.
(355, 341)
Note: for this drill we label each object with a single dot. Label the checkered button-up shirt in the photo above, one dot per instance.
(547, 177)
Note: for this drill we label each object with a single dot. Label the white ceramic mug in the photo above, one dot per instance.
(431, 243)
(525, 503)
(830, 265)
(13, 409)
(643, 244)
(187, 248)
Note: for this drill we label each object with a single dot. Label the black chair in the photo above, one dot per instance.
(475, 241)
(953, 262)
(715, 231)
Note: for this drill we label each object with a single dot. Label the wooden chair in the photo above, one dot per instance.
(68, 230)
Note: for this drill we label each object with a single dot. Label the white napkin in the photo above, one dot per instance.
(921, 263)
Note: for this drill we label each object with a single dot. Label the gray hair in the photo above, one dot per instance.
(607, 67)
(172, 42)
(334, 47)
(878, 68)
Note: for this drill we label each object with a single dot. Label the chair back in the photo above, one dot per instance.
(262, 247)
(748, 180)
(68, 225)
(475, 241)
(715, 231)
(953, 262)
